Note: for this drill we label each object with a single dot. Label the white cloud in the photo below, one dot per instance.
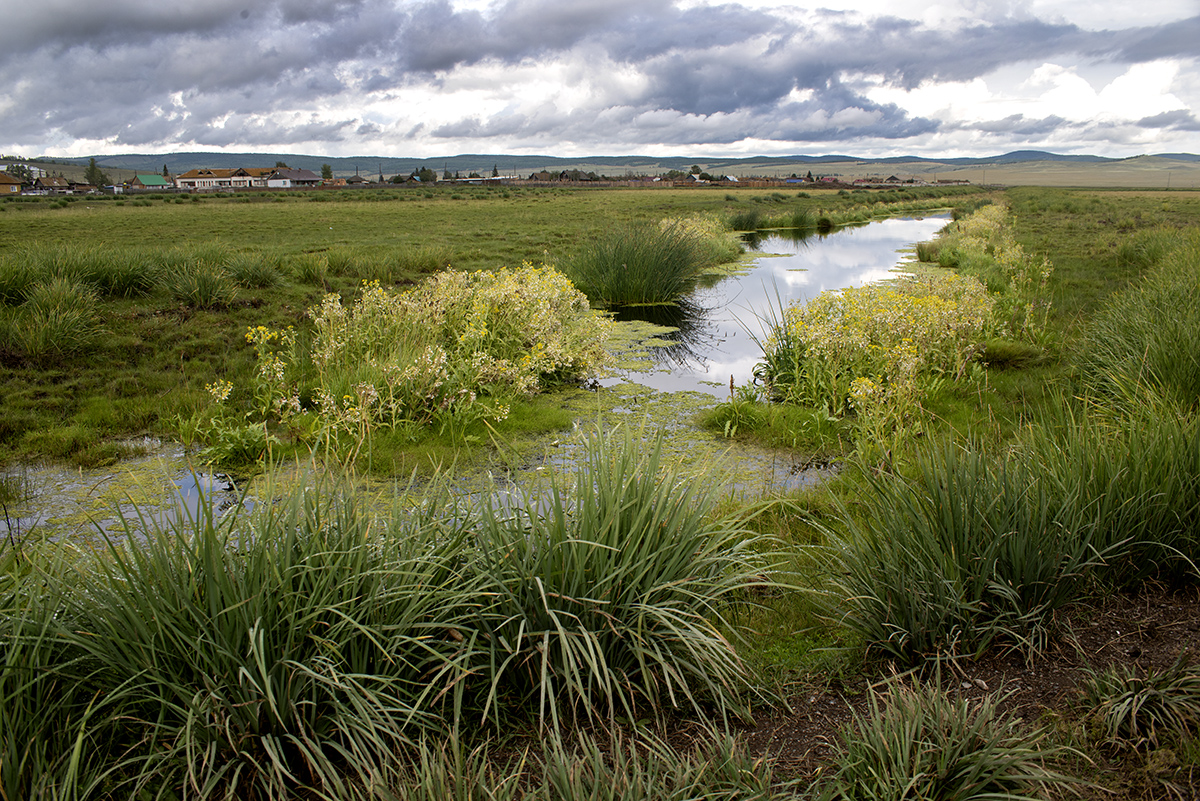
(424, 77)
(1049, 90)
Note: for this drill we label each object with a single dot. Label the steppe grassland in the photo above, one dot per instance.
(1014, 605)
(185, 328)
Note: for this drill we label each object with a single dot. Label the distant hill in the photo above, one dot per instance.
(1021, 167)
(373, 166)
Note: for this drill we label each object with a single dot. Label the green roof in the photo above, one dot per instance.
(153, 180)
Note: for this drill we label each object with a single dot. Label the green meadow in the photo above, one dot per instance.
(1013, 431)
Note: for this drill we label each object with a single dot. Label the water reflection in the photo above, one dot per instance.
(718, 328)
(694, 334)
(756, 240)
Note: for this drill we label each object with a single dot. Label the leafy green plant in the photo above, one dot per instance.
(235, 445)
(919, 743)
(893, 335)
(1133, 708)
(449, 353)
(742, 412)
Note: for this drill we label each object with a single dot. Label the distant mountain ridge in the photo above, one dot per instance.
(373, 166)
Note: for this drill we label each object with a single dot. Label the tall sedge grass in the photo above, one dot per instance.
(108, 271)
(1132, 478)
(610, 594)
(60, 318)
(42, 712)
(1133, 708)
(638, 264)
(803, 220)
(16, 277)
(307, 647)
(973, 550)
(255, 270)
(1149, 335)
(962, 555)
(641, 769)
(200, 284)
(384, 265)
(1149, 247)
(651, 770)
(745, 220)
(308, 268)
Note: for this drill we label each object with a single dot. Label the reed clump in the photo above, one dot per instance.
(643, 264)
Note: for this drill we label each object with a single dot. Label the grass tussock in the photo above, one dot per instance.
(60, 318)
(610, 596)
(1149, 335)
(200, 284)
(1132, 708)
(645, 264)
(919, 742)
(960, 556)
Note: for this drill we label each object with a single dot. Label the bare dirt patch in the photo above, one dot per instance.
(1148, 629)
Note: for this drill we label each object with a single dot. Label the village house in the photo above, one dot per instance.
(52, 186)
(9, 185)
(152, 181)
(239, 178)
(292, 179)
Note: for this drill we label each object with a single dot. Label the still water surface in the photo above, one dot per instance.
(713, 340)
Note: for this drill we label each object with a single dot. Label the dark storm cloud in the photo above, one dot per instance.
(232, 72)
(1020, 125)
(1179, 39)
(1181, 120)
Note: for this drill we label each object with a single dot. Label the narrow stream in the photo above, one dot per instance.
(684, 361)
(713, 336)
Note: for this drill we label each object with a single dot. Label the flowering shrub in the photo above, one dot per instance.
(885, 334)
(876, 350)
(448, 353)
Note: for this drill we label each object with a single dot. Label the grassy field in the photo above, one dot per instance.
(595, 635)
(152, 348)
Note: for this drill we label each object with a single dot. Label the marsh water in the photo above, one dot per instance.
(674, 363)
(714, 334)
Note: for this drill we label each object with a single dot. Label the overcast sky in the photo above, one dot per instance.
(569, 78)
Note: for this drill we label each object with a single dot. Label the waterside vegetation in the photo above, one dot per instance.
(1017, 429)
